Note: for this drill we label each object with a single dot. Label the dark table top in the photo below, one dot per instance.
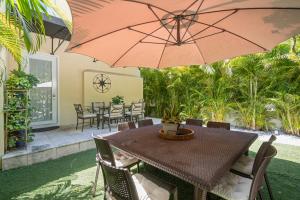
(201, 161)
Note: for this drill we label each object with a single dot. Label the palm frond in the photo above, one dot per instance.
(9, 38)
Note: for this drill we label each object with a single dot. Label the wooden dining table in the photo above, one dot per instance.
(201, 161)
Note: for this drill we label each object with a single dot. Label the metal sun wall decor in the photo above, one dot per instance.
(102, 83)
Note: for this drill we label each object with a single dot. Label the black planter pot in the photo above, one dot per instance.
(20, 144)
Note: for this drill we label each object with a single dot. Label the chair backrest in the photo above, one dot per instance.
(123, 126)
(126, 126)
(211, 124)
(261, 154)
(145, 122)
(131, 125)
(116, 110)
(78, 109)
(259, 176)
(119, 182)
(137, 108)
(97, 107)
(104, 150)
(194, 122)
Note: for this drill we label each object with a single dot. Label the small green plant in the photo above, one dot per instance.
(117, 100)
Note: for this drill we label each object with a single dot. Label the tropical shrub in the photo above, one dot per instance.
(253, 90)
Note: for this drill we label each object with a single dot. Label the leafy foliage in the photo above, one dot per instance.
(253, 90)
(117, 100)
(21, 18)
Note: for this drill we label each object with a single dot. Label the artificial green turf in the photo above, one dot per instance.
(72, 177)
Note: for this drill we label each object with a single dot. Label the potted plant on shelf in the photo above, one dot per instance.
(17, 108)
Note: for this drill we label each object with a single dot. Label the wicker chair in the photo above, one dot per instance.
(211, 124)
(194, 122)
(115, 113)
(247, 166)
(114, 158)
(145, 122)
(83, 115)
(235, 187)
(126, 126)
(121, 185)
(136, 111)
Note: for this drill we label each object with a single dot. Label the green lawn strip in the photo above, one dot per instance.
(72, 177)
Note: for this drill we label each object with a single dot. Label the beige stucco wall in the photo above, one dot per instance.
(71, 69)
(128, 86)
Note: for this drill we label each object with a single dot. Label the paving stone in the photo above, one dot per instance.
(86, 145)
(14, 162)
(41, 156)
(67, 150)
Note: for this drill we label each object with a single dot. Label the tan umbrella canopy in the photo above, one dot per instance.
(164, 33)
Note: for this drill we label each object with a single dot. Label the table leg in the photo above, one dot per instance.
(199, 194)
(98, 121)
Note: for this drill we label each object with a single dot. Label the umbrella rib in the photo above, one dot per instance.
(137, 44)
(191, 6)
(148, 34)
(149, 6)
(210, 25)
(192, 39)
(163, 51)
(192, 18)
(250, 8)
(200, 52)
(100, 36)
(232, 33)
(155, 42)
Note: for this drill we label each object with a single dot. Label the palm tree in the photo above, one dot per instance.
(20, 19)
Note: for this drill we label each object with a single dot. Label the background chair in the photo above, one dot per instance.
(116, 158)
(126, 126)
(194, 122)
(136, 111)
(235, 187)
(83, 115)
(211, 124)
(247, 166)
(115, 113)
(120, 184)
(145, 122)
(99, 109)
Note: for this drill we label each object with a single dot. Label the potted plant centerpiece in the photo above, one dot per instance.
(171, 119)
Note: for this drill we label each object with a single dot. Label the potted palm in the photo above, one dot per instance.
(171, 119)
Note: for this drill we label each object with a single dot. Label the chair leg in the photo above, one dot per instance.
(77, 124)
(138, 167)
(103, 120)
(82, 125)
(175, 194)
(260, 195)
(109, 125)
(268, 186)
(90, 122)
(96, 180)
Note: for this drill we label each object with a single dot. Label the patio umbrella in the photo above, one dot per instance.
(164, 33)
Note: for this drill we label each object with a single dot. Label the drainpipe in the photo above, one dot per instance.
(2, 74)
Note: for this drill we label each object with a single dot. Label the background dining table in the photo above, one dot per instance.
(201, 161)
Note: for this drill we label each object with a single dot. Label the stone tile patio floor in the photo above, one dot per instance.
(66, 140)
